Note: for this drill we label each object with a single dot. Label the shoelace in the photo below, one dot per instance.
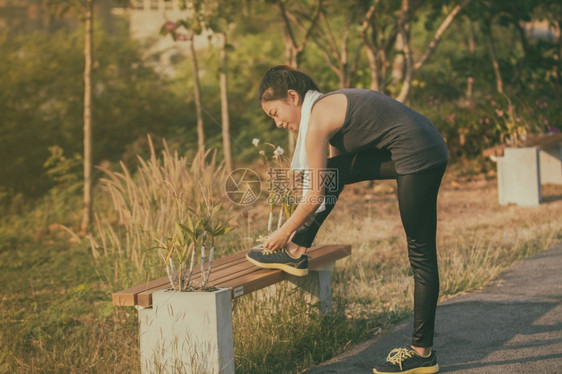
(266, 251)
(398, 355)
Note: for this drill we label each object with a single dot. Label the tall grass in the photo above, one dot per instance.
(145, 208)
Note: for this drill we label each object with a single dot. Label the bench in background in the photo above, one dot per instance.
(522, 170)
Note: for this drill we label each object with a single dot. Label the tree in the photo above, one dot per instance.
(191, 27)
(225, 118)
(385, 34)
(218, 17)
(379, 32)
(404, 21)
(299, 21)
(294, 22)
(87, 199)
(336, 38)
(85, 8)
(492, 14)
(40, 103)
(553, 13)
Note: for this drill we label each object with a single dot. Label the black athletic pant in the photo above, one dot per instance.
(417, 200)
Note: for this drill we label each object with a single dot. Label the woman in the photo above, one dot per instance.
(368, 136)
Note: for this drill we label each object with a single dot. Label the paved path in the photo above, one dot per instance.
(514, 325)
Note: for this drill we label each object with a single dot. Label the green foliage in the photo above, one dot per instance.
(65, 172)
(195, 231)
(41, 103)
(132, 99)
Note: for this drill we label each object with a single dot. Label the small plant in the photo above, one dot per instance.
(195, 231)
(282, 184)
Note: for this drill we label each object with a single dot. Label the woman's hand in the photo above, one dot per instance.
(277, 239)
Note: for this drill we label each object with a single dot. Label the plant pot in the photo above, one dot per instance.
(187, 332)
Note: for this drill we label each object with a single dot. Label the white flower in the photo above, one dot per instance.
(278, 152)
(255, 142)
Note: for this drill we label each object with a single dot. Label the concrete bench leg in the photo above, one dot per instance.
(317, 286)
(551, 164)
(187, 332)
(519, 177)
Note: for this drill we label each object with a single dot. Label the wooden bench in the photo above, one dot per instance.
(161, 328)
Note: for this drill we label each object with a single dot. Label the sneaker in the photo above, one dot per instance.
(406, 360)
(279, 260)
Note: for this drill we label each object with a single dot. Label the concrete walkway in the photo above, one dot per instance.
(514, 325)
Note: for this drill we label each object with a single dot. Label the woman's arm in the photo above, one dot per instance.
(326, 118)
(334, 151)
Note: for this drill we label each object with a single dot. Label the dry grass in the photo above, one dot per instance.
(146, 207)
(477, 238)
(48, 324)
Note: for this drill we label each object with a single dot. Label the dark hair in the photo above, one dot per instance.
(282, 78)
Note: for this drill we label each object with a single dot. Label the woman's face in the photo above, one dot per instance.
(285, 112)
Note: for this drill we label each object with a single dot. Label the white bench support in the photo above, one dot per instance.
(318, 286)
(187, 332)
(521, 171)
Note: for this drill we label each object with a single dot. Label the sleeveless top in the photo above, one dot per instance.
(374, 120)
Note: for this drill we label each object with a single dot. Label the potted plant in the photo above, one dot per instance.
(189, 327)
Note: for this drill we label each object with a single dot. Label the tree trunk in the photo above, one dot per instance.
(399, 63)
(525, 48)
(432, 46)
(372, 58)
(370, 47)
(87, 199)
(197, 89)
(291, 59)
(292, 55)
(225, 120)
(493, 56)
(472, 50)
(294, 49)
(335, 52)
(409, 63)
(559, 66)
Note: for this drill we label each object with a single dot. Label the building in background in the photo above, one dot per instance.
(146, 18)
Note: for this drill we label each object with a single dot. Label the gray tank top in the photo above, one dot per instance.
(374, 120)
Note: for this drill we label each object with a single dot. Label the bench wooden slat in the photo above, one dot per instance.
(318, 256)
(129, 297)
(233, 272)
(254, 281)
(234, 269)
(323, 254)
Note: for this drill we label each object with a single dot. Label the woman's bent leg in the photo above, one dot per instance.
(350, 168)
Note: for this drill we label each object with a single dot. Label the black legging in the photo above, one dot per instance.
(417, 200)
